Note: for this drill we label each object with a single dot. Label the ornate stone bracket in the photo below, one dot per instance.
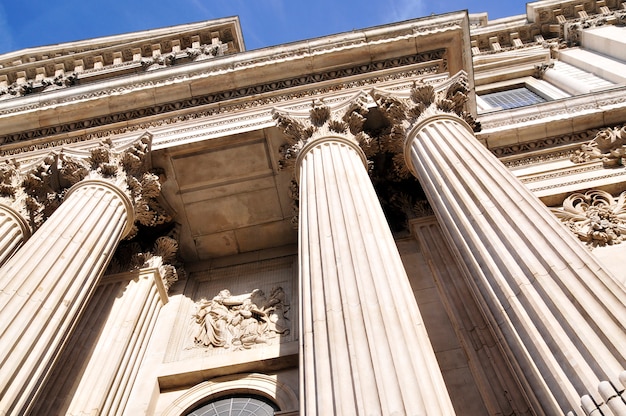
(241, 321)
(572, 30)
(609, 146)
(595, 217)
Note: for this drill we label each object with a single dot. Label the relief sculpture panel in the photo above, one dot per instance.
(241, 321)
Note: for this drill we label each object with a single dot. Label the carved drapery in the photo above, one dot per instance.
(359, 318)
(595, 217)
(47, 283)
(241, 321)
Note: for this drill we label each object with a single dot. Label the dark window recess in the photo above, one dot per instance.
(236, 406)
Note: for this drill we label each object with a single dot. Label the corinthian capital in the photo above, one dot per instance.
(402, 111)
(127, 167)
(344, 120)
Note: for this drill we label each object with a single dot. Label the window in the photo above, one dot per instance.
(515, 93)
(513, 98)
(236, 405)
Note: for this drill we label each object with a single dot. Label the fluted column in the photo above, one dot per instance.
(14, 231)
(46, 284)
(365, 349)
(105, 384)
(560, 314)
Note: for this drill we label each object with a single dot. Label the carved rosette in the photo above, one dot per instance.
(595, 217)
(609, 146)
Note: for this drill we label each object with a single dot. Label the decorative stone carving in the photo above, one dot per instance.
(380, 134)
(36, 189)
(424, 100)
(609, 145)
(126, 168)
(572, 30)
(162, 256)
(595, 217)
(241, 321)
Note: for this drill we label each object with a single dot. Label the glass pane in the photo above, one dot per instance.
(518, 97)
(236, 406)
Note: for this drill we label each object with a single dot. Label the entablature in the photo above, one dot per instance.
(236, 83)
(545, 21)
(42, 69)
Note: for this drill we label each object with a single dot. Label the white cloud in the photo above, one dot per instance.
(405, 9)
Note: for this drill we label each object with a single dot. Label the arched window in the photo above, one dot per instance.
(236, 405)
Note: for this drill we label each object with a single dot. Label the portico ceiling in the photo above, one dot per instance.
(228, 194)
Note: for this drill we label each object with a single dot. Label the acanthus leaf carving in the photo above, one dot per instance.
(595, 217)
(608, 145)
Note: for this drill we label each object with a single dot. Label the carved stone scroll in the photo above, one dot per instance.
(609, 146)
(595, 217)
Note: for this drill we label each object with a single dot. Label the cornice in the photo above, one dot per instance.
(568, 108)
(31, 66)
(426, 63)
(551, 21)
(378, 36)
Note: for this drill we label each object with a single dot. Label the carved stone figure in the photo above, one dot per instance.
(609, 145)
(241, 321)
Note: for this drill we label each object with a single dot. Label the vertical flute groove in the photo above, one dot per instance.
(368, 343)
(558, 311)
(47, 283)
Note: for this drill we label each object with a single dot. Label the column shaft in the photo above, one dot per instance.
(13, 232)
(559, 312)
(105, 384)
(365, 348)
(46, 284)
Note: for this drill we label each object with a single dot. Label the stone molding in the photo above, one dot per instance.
(247, 383)
(555, 110)
(595, 217)
(510, 154)
(239, 122)
(436, 58)
(621, 173)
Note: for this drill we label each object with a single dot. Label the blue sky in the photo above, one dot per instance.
(28, 23)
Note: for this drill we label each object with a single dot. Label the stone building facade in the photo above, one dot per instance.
(421, 218)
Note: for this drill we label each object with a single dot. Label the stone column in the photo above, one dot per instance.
(105, 384)
(14, 231)
(46, 284)
(364, 346)
(560, 315)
